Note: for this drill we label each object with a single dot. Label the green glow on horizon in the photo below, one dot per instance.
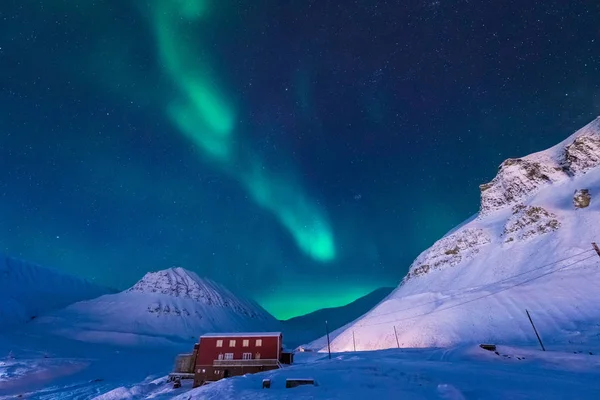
(288, 305)
(204, 115)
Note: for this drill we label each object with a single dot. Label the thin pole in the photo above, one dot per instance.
(396, 334)
(596, 248)
(535, 330)
(328, 343)
(353, 341)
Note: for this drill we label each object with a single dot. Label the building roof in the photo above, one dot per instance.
(241, 334)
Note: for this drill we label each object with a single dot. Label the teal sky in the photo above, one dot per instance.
(294, 151)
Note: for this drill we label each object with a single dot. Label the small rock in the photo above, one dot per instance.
(582, 198)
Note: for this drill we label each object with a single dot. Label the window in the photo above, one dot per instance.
(229, 356)
(203, 370)
(257, 356)
(220, 356)
(247, 356)
(232, 343)
(219, 343)
(245, 343)
(258, 342)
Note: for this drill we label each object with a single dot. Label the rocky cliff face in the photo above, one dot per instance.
(528, 222)
(518, 178)
(583, 153)
(449, 251)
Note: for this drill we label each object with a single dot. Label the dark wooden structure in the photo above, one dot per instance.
(221, 355)
(292, 383)
(184, 366)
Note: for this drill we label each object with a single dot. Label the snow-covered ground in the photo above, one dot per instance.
(38, 365)
(457, 373)
(71, 370)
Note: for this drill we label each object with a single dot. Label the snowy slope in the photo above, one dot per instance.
(28, 291)
(174, 304)
(464, 372)
(304, 328)
(528, 248)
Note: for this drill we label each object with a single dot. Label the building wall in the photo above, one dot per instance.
(211, 374)
(208, 350)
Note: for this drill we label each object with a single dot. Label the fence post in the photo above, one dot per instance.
(353, 341)
(396, 334)
(328, 343)
(595, 246)
(535, 330)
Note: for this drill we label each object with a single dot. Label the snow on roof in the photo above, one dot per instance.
(242, 334)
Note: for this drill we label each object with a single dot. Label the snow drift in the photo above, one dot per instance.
(528, 248)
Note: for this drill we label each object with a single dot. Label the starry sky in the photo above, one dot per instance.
(302, 152)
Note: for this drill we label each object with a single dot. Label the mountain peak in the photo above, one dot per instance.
(519, 178)
(182, 283)
(177, 282)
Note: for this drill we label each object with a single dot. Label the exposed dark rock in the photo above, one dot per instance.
(518, 178)
(527, 222)
(582, 198)
(583, 154)
(449, 251)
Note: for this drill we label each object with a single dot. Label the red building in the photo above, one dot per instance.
(221, 355)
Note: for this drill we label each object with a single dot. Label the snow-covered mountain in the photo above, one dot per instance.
(174, 304)
(28, 291)
(530, 247)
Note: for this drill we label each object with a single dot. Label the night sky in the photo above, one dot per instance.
(302, 152)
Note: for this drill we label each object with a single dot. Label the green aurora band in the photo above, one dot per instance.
(319, 295)
(202, 114)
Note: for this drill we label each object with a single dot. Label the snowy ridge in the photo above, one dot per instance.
(519, 177)
(529, 248)
(165, 306)
(28, 291)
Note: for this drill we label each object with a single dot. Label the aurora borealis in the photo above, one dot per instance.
(206, 118)
(302, 152)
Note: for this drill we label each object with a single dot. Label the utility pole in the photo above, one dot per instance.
(353, 341)
(328, 343)
(596, 248)
(396, 334)
(535, 330)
